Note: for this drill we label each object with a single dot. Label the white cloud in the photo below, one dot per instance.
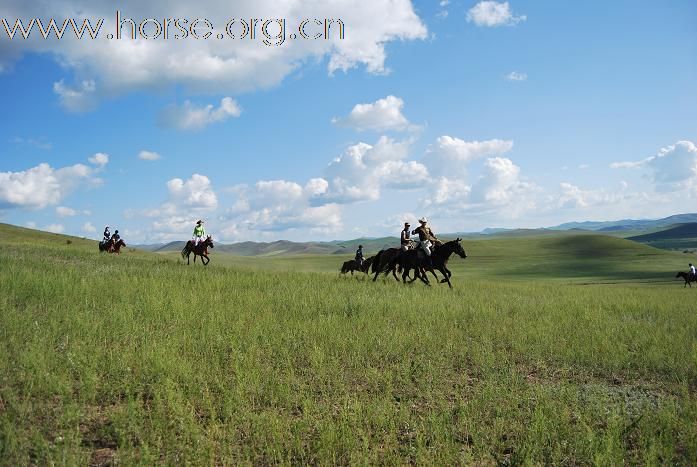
(363, 170)
(197, 192)
(55, 228)
(187, 201)
(516, 76)
(42, 186)
(381, 115)
(493, 14)
(31, 224)
(64, 211)
(81, 98)
(229, 66)
(148, 156)
(674, 167)
(99, 159)
(573, 197)
(281, 205)
(191, 117)
(450, 156)
(87, 227)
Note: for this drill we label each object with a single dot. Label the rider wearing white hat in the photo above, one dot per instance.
(426, 236)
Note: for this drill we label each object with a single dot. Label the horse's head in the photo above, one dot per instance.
(344, 267)
(457, 248)
(680, 274)
(209, 241)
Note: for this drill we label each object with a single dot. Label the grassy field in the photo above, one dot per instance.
(143, 360)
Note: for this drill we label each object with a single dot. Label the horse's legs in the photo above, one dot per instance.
(208, 260)
(447, 278)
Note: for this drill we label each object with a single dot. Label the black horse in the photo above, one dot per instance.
(382, 262)
(688, 277)
(419, 262)
(352, 265)
(198, 250)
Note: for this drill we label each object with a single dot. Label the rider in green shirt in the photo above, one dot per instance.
(199, 232)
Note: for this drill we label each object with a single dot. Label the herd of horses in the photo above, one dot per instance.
(396, 260)
(392, 260)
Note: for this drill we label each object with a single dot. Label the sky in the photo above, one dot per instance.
(473, 114)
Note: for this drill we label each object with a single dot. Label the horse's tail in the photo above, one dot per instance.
(185, 250)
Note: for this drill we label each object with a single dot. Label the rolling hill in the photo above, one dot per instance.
(678, 237)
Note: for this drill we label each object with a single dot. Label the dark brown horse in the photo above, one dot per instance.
(382, 261)
(419, 262)
(198, 250)
(111, 247)
(352, 265)
(688, 277)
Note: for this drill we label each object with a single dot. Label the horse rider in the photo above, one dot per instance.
(199, 232)
(359, 256)
(405, 237)
(116, 237)
(426, 237)
(107, 235)
(692, 270)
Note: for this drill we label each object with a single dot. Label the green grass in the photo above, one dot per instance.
(142, 359)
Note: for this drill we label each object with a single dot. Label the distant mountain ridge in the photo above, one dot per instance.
(629, 224)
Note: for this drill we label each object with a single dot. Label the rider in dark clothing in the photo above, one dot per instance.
(116, 237)
(359, 255)
(107, 234)
(405, 237)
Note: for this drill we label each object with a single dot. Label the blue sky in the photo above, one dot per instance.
(474, 114)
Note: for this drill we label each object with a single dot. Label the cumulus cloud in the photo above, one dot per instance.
(228, 66)
(42, 186)
(673, 168)
(99, 159)
(148, 156)
(197, 192)
(191, 117)
(381, 115)
(187, 201)
(449, 156)
(362, 170)
(493, 14)
(281, 205)
(79, 98)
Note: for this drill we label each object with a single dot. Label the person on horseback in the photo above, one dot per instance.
(405, 237)
(359, 255)
(426, 237)
(692, 270)
(107, 235)
(115, 238)
(199, 232)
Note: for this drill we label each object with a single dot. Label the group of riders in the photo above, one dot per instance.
(426, 240)
(109, 241)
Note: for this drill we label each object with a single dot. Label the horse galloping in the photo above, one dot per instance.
(419, 262)
(688, 277)
(352, 265)
(382, 261)
(198, 250)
